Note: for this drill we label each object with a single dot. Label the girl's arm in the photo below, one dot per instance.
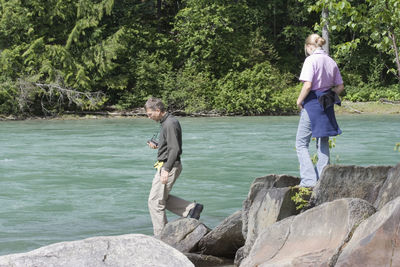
(303, 94)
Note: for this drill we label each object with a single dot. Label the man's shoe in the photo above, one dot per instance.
(195, 212)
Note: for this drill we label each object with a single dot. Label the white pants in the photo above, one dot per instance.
(160, 199)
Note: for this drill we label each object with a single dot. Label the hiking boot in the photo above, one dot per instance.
(195, 212)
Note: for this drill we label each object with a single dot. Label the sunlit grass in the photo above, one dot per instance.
(367, 108)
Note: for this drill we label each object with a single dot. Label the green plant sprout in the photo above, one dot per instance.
(302, 197)
(332, 144)
(397, 147)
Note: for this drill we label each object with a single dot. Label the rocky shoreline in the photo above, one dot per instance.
(138, 112)
(352, 219)
(381, 107)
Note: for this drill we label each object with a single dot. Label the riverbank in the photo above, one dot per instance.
(347, 107)
(375, 108)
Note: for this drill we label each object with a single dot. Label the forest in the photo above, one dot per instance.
(226, 56)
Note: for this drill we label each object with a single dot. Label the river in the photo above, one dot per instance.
(65, 180)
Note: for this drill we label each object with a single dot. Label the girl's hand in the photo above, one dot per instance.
(300, 105)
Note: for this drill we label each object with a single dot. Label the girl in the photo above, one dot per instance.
(322, 83)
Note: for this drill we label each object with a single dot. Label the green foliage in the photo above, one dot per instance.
(283, 101)
(213, 37)
(368, 84)
(152, 74)
(367, 92)
(397, 147)
(260, 49)
(238, 57)
(8, 98)
(332, 144)
(15, 24)
(254, 91)
(48, 55)
(375, 21)
(302, 197)
(292, 24)
(190, 91)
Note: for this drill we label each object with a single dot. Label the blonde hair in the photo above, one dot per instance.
(314, 40)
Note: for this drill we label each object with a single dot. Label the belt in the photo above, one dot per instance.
(159, 164)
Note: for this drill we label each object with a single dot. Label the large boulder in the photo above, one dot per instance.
(225, 239)
(338, 181)
(268, 243)
(262, 183)
(269, 206)
(313, 238)
(239, 256)
(184, 234)
(126, 250)
(390, 189)
(376, 242)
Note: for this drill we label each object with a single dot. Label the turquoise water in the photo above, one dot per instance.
(65, 180)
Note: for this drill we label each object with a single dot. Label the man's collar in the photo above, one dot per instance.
(164, 117)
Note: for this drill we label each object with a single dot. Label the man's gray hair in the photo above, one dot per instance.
(154, 103)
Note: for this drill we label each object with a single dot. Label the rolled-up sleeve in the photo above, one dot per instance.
(307, 72)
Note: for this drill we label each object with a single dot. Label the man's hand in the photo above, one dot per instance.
(152, 145)
(164, 176)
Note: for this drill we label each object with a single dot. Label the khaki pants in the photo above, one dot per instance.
(160, 199)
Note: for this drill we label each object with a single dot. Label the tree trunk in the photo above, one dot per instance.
(159, 2)
(159, 9)
(325, 32)
(396, 52)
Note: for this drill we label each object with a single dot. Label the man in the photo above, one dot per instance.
(168, 169)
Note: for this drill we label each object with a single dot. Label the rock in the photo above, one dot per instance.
(269, 206)
(184, 234)
(225, 239)
(338, 181)
(126, 250)
(261, 183)
(313, 238)
(376, 242)
(201, 260)
(269, 243)
(390, 189)
(239, 256)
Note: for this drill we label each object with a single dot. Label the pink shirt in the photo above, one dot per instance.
(321, 70)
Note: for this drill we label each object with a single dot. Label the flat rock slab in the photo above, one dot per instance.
(225, 239)
(313, 238)
(376, 242)
(202, 260)
(339, 181)
(269, 206)
(184, 234)
(126, 250)
(390, 189)
(268, 201)
(261, 184)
